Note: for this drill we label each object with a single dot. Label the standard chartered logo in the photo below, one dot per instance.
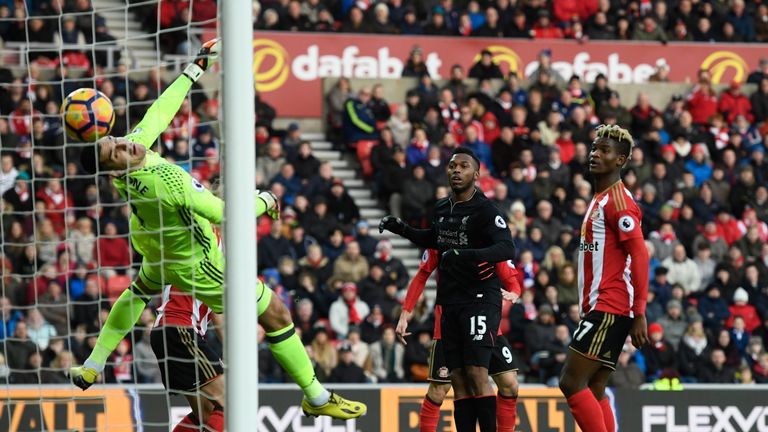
(720, 62)
(271, 65)
(502, 54)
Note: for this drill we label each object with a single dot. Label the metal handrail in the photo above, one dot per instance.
(23, 49)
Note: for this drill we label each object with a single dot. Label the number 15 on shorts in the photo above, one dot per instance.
(477, 327)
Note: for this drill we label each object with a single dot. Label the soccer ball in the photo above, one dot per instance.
(88, 115)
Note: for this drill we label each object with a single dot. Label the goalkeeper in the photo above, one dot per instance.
(171, 227)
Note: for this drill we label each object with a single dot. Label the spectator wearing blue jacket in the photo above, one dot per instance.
(290, 181)
(519, 188)
(359, 122)
(699, 166)
(742, 22)
(417, 150)
(481, 149)
(714, 309)
(9, 318)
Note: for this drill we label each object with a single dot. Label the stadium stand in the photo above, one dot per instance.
(699, 173)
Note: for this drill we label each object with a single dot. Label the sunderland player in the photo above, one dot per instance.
(502, 368)
(471, 235)
(613, 284)
(171, 227)
(188, 364)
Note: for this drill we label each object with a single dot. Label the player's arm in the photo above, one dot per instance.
(427, 265)
(162, 111)
(508, 275)
(423, 238)
(204, 203)
(627, 226)
(502, 247)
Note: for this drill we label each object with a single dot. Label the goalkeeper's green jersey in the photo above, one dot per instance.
(172, 213)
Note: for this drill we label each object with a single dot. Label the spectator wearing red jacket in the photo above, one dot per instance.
(642, 114)
(20, 119)
(487, 119)
(727, 227)
(742, 308)
(734, 103)
(543, 29)
(458, 128)
(113, 252)
(702, 102)
(566, 10)
(58, 204)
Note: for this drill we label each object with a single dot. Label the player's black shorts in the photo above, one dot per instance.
(600, 336)
(501, 360)
(469, 334)
(186, 360)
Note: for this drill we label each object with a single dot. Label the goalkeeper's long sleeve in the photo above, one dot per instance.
(161, 113)
(211, 207)
(124, 314)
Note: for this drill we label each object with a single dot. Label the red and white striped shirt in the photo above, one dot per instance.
(182, 309)
(506, 272)
(605, 280)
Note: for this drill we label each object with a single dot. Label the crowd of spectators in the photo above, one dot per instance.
(65, 248)
(660, 20)
(47, 25)
(697, 170)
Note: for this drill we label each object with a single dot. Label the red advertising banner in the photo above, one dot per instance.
(288, 67)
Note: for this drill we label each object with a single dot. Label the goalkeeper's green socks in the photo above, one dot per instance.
(290, 353)
(121, 319)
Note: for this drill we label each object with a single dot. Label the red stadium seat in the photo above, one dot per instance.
(116, 285)
(364, 148)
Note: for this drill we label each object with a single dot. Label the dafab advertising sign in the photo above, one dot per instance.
(393, 409)
(538, 410)
(288, 67)
(742, 409)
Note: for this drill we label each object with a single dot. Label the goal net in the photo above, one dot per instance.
(66, 256)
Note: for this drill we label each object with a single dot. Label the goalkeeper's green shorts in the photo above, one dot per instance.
(204, 280)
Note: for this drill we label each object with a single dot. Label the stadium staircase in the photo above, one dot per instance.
(125, 26)
(345, 167)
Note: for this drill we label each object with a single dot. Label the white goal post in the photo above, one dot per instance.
(239, 228)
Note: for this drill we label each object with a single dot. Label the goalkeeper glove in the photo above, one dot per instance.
(206, 57)
(393, 224)
(273, 204)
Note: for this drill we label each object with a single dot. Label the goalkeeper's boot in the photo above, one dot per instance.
(336, 407)
(83, 376)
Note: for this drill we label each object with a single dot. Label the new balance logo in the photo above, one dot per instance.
(477, 338)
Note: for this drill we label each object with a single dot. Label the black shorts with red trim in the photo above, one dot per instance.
(600, 336)
(187, 362)
(502, 361)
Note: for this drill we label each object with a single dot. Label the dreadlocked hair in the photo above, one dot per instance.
(621, 136)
